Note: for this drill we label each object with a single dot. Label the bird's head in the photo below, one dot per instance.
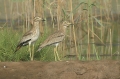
(38, 19)
(66, 24)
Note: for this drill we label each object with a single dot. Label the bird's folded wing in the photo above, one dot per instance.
(52, 39)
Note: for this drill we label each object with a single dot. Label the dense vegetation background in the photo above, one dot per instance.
(94, 35)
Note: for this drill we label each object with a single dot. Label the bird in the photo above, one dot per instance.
(55, 39)
(31, 36)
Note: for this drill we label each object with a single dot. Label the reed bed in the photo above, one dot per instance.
(94, 35)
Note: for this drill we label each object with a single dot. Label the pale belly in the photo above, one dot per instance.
(35, 37)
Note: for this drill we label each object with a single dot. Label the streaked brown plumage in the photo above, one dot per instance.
(31, 36)
(55, 38)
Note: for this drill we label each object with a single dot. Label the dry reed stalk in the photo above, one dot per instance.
(88, 27)
(39, 12)
(102, 29)
(74, 35)
(92, 27)
(51, 10)
(111, 12)
(34, 8)
(11, 12)
(6, 11)
(110, 43)
(52, 14)
(80, 35)
(17, 5)
(23, 10)
(117, 5)
(107, 9)
(118, 16)
(26, 16)
(108, 13)
(58, 13)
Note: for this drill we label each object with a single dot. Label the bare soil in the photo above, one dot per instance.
(105, 69)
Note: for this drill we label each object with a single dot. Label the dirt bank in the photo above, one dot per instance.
(105, 69)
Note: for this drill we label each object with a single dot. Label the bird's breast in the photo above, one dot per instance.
(35, 35)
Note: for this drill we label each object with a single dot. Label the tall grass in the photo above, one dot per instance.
(94, 35)
(9, 40)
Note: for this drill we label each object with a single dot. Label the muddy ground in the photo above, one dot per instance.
(105, 69)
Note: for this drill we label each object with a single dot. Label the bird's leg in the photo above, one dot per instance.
(32, 53)
(57, 53)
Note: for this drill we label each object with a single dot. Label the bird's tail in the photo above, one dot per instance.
(39, 49)
(17, 48)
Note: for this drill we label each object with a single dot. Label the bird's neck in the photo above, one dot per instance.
(36, 25)
(63, 29)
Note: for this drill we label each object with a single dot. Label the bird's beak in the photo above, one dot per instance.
(71, 24)
(43, 19)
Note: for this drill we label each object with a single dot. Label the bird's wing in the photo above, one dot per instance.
(24, 41)
(28, 33)
(54, 38)
(22, 44)
(26, 36)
